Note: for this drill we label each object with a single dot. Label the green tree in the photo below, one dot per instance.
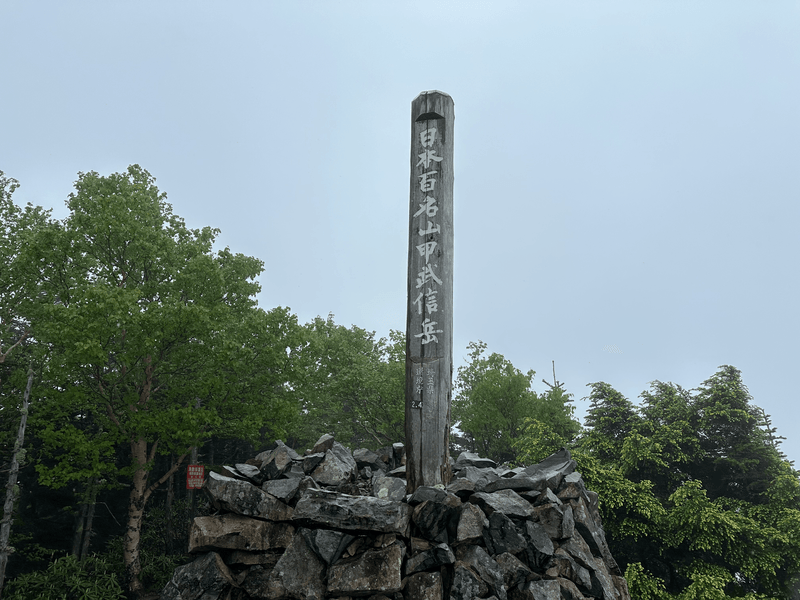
(494, 405)
(144, 322)
(697, 501)
(17, 351)
(352, 385)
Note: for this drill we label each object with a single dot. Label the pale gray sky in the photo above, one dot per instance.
(626, 193)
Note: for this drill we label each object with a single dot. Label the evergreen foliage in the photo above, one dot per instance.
(494, 406)
(697, 501)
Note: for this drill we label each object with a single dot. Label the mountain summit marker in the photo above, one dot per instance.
(429, 322)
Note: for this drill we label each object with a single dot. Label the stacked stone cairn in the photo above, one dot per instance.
(339, 524)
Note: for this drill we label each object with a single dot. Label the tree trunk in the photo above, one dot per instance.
(91, 502)
(130, 551)
(140, 493)
(77, 537)
(170, 500)
(11, 487)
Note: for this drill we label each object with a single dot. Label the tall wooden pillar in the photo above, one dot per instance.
(429, 323)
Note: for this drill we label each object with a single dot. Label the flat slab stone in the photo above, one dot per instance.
(243, 498)
(320, 508)
(237, 532)
(507, 502)
(282, 489)
(376, 571)
(471, 459)
(518, 484)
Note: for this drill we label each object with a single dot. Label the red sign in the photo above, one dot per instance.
(195, 474)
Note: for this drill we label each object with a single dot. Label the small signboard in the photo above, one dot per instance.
(195, 474)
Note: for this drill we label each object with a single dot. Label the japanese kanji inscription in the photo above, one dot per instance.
(429, 333)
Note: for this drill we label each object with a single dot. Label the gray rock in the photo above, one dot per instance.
(563, 565)
(229, 471)
(425, 493)
(311, 461)
(569, 591)
(577, 547)
(602, 582)
(430, 559)
(470, 524)
(237, 532)
(471, 459)
(505, 501)
(257, 578)
(386, 455)
(622, 587)
(376, 571)
(207, 578)
(251, 472)
(593, 534)
(461, 487)
(423, 586)
(277, 461)
(399, 472)
(553, 469)
(244, 498)
(295, 470)
(567, 523)
(388, 488)
(328, 545)
(318, 508)
(486, 567)
(572, 487)
(550, 516)
(488, 476)
(531, 496)
(324, 443)
(399, 450)
(467, 584)
(306, 483)
(516, 472)
(240, 558)
(337, 467)
(437, 521)
(283, 489)
(502, 536)
(514, 570)
(547, 497)
(298, 574)
(367, 458)
(542, 589)
(474, 474)
(518, 484)
(540, 547)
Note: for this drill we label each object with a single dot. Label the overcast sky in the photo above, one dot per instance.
(626, 173)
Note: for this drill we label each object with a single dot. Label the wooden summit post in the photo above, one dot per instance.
(429, 323)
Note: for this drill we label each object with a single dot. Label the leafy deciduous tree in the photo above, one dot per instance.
(140, 316)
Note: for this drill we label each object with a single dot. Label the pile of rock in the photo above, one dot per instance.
(336, 524)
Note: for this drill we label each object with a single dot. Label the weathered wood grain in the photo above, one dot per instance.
(429, 323)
